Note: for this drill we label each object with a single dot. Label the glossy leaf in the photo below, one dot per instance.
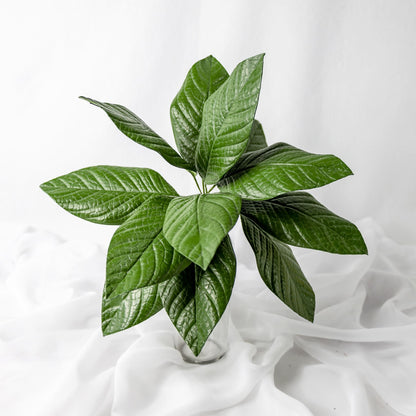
(297, 218)
(195, 225)
(139, 259)
(281, 168)
(130, 308)
(196, 299)
(137, 130)
(202, 80)
(257, 139)
(227, 120)
(106, 194)
(279, 270)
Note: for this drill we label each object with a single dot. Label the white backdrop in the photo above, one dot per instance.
(339, 78)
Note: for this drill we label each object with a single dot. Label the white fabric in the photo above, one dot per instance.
(357, 359)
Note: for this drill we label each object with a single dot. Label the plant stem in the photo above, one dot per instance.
(197, 184)
(210, 189)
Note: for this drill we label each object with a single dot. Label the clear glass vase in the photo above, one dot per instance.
(214, 349)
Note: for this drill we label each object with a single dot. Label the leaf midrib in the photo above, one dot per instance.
(340, 236)
(75, 188)
(242, 171)
(129, 269)
(290, 281)
(228, 112)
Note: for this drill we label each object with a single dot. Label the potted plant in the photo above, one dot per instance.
(174, 252)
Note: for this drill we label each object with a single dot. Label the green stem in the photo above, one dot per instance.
(212, 187)
(197, 184)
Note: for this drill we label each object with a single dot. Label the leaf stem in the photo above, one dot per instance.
(197, 184)
(212, 187)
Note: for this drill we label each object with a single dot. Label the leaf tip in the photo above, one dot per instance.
(88, 100)
(203, 263)
(44, 186)
(309, 312)
(106, 327)
(259, 57)
(360, 247)
(346, 169)
(196, 349)
(363, 249)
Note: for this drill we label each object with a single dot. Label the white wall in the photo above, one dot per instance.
(339, 78)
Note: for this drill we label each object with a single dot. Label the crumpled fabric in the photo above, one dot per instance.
(357, 358)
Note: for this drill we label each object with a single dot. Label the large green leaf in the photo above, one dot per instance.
(257, 139)
(280, 270)
(139, 259)
(196, 299)
(137, 130)
(281, 168)
(195, 225)
(227, 120)
(106, 194)
(297, 218)
(202, 80)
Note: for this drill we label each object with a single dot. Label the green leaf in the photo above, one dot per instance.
(106, 194)
(297, 218)
(130, 308)
(281, 168)
(139, 259)
(196, 299)
(227, 120)
(137, 130)
(195, 225)
(202, 80)
(257, 139)
(280, 270)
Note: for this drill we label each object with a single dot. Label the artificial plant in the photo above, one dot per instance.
(174, 251)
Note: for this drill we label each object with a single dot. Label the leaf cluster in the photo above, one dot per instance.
(174, 252)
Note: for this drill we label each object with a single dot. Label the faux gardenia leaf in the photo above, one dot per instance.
(196, 299)
(130, 308)
(106, 194)
(257, 139)
(280, 271)
(202, 80)
(281, 168)
(195, 225)
(227, 120)
(139, 255)
(137, 130)
(139, 259)
(297, 218)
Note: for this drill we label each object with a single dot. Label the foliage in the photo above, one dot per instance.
(173, 251)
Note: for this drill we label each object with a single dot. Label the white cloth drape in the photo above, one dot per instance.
(358, 358)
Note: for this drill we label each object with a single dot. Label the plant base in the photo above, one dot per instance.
(212, 352)
(214, 349)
